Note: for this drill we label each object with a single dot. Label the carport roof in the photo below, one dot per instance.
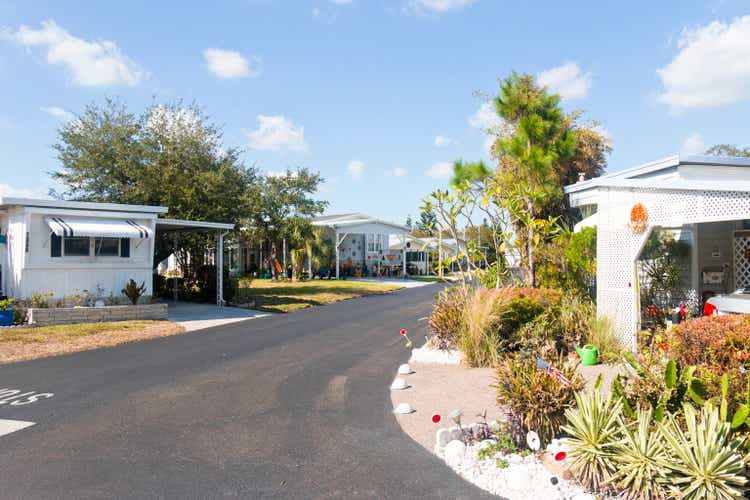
(344, 221)
(190, 225)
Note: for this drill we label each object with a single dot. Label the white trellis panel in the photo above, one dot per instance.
(741, 261)
(618, 246)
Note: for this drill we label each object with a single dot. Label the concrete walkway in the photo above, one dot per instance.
(406, 283)
(193, 316)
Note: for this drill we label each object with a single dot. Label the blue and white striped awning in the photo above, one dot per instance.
(97, 227)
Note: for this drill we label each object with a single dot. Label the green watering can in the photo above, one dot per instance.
(589, 354)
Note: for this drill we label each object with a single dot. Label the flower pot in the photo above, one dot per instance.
(6, 317)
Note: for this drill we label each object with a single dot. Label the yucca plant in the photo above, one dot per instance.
(638, 459)
(704, 461)
(594, 432)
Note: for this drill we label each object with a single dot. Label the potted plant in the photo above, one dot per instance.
(6, 312)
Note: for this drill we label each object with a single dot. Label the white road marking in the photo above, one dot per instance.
(8, 426)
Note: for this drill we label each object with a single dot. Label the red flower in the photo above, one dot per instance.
(435, 418)
(663, 346)
(403, 331)
(560, 456)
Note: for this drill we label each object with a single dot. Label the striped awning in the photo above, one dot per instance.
(97, 227)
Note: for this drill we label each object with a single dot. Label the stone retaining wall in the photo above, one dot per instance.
(64, 315)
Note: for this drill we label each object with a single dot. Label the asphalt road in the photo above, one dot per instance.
(290, 406)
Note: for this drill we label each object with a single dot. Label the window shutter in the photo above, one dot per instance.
(124, 247)
(55, 245)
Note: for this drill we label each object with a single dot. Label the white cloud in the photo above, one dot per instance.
(229, 64)
(356, 169)
(91, 64)
(485, 118)
(567, 80)
(59, 113)
(440, 170)
(711, 68)
(7, 190)
(396, 172)
(439, 5)
(693, 145)
(277, 133)
(441, 141)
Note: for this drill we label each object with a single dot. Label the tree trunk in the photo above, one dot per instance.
(530, 246)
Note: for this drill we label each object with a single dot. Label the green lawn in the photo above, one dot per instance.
(286, 296)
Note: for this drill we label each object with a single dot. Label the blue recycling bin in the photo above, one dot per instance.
(6, 317)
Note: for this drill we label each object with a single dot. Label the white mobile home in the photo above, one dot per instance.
(704, 200)
(65, 247)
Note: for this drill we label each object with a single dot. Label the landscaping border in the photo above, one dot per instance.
(65, 315)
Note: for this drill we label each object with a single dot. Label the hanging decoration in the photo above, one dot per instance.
(638, 218)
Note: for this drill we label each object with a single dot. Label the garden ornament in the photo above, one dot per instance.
(532, 439)
(404, 409)
(404, 333)
(399, 384)
(404, 369)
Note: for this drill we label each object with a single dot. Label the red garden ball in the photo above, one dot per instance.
(560, 456)
(435, 418)
(403, 331)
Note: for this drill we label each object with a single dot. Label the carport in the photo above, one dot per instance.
(377, 235)
(221, 229)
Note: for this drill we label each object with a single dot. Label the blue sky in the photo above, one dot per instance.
(376, 95)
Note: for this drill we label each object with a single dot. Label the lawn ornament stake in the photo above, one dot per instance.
(404, 333)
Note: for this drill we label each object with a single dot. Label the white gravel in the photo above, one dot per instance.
(524, 478)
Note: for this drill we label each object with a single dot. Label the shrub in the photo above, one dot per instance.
(572, 322)
(593, 430)
(638, 459)
(535, 400)
(133, 291)
(720, 341)
(705, 461)
(479, 337)
(716, 345)
(446, 319)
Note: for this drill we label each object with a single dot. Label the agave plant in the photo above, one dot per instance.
(593, 430)
(638, 459)
(704, 460)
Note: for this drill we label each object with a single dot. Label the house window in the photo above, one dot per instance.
(370, 242)
(108, 247)
(76, 247)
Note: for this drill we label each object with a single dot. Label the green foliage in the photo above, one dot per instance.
(661, 263)
(728, 150)
(503, 445)
(705, 461)
(6, 304)
(492, 320)
(446, 320)
(133, 291)
(663, 387)
(568, 261)
(535, 400)
(593, 429)
(638, 459)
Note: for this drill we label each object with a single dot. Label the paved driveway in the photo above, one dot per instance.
(194, 316)
(288, 406)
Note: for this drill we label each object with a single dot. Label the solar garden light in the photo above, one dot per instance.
(404, 333)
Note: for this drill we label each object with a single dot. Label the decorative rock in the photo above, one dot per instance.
(404, 369)
(454, 452)
(443, 437)
(404, 409)
(456, 433)
(518, 477)
(399, 384)
(515, 458)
